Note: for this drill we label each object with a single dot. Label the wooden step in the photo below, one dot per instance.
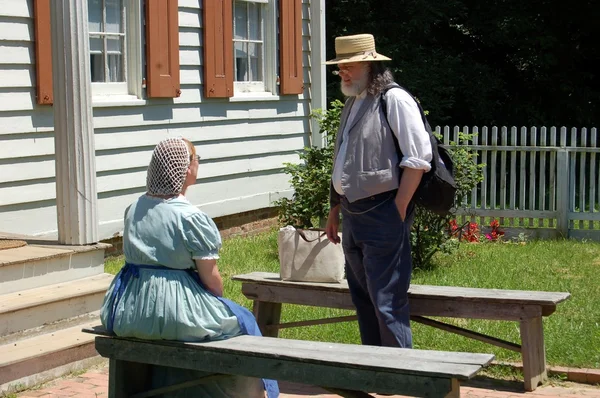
(46, 263)
(33, 308)
(42, 353)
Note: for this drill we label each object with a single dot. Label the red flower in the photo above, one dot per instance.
(496, 233)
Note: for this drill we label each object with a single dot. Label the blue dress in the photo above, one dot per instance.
(155, 297)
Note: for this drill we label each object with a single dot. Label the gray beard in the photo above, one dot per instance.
(353, 90)
(357, 87)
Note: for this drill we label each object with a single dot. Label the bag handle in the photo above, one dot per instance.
(303, 236)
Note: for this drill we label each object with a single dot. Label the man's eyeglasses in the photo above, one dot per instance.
(342, 70)
(197, 157)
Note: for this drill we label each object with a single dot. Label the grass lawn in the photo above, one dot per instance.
(572, 333)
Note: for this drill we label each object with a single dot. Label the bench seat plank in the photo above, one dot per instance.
(423, 306)
(343, 366)
(500, 296)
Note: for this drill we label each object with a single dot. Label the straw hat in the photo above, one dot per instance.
(356, 48)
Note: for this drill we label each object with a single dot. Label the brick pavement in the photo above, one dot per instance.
(94, 384)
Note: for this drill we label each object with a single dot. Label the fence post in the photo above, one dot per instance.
(562, 192)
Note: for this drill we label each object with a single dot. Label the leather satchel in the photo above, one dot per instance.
(306, 255)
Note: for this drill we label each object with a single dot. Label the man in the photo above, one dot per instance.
(372, 186)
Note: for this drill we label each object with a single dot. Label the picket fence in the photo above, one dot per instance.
(541, 181)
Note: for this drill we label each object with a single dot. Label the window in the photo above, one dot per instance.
(115, 42)
(114, 33)
(248, 41)
(230, 71)
(253, 46)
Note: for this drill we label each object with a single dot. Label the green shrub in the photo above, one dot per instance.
(311, 181)
(429, 233)
(310, 178)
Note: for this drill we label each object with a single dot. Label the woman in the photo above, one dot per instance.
(158, 295)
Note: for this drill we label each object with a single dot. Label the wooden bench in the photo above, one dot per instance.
(344, 369)
(526, 307)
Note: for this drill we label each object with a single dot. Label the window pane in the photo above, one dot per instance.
(241, 20)
(95, 15)
(97, 66)
(254, 20)
(96, 45)
(255, 51)
(114, 45)
(241, 62)
(113, 16)
(115, 68)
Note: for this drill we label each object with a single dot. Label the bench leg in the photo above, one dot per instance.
(533, 352)
(127, 378)
(267, 314)
(455, 392)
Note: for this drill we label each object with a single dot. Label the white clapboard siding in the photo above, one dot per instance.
(198, 133)
(16, 8)
(190, 18)
(44, 169)
(16, 53)
(25, 171)
(12, 194)
(189, 75)
(219, 190)
(27, 146)
(211, 170)
(30, 218)
(190, 38)
(217, 111)
(16, 29)
(18, 99)
(190, 3)
(16, 76)
(189, 56)
(139, 159)
(16, 122)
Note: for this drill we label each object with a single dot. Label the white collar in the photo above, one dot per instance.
(362, 95)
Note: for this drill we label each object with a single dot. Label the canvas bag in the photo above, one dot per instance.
(306, 255)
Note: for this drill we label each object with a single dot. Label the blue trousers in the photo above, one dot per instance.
(376, 244)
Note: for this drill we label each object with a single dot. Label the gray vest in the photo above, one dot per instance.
(371, 164)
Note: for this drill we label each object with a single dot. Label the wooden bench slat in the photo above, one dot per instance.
(273, 358)
(419, 362)
(353, 354)
(418, 305)
(426, 291)
(274, 346)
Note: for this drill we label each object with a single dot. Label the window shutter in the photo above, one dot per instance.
(162, 49)
(290, 46)
(43, 52)
(218, 48)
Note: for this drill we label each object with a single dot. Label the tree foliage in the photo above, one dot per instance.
(491, 62)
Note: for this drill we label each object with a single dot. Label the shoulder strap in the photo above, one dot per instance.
(435, 142)
(384, 105)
